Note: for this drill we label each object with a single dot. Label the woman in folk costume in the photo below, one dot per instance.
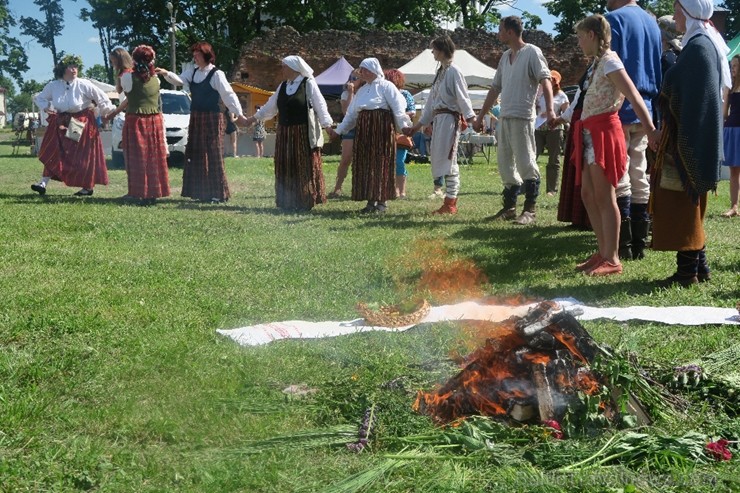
(689, 142)
(77, 159)
(374, 110)
(299, 176)
(143, 141)
(204, 176)
(448, 101)
(602, 159)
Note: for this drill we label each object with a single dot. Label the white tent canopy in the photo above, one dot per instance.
(477, 97)
(420, 71)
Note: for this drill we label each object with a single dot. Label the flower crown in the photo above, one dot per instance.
(71, 61)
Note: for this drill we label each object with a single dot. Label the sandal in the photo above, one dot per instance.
(730, 213)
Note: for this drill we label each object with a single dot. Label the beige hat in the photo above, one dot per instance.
(668, 31)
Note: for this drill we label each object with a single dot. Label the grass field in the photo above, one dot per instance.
(113, 379)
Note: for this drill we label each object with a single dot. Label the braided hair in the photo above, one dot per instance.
(600, 27)
(143, 57)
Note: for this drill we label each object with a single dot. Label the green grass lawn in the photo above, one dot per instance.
(112, 377)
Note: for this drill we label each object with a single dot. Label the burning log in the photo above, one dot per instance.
(531, 370)
(545, 402)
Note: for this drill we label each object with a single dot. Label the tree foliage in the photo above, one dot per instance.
(97, 72)
(13, 59)
(732, 28)
(569, 12)
(46, 30)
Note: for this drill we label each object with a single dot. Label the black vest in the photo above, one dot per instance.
(205, 98)
(292, 109)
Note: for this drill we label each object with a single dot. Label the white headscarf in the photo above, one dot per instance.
(373, 65)
(294, 62)
(697, 14)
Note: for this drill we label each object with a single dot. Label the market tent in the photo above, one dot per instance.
(734, 45)
(250, 96)
(332, 80)
(108, 89)
(420, 71)
(477, 97)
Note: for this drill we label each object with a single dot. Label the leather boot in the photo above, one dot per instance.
(640, 229)
(703, 272)
(687, 263)
(531, 192)
(508, 199)
(448, 207)
(625, 239)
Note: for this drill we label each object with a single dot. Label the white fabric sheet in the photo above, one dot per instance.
(256, 335)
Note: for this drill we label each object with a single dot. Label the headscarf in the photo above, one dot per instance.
(294, 62)
(373, 65)
(668, 31)
(697, 14)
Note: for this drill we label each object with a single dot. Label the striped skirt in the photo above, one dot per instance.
(570, 204)
(203, 174)
(77, 164)
(145, 152)
(373, 157)
(299, 176)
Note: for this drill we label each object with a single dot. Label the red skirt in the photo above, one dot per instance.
(144, 149)
(203, 174)
(373, 157)
(299, 175)
(77, 164)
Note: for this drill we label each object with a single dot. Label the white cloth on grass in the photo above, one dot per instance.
(256, 335)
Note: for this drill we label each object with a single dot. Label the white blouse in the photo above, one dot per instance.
(378, 94)
(218, 82)
(72, 97)
(270, 108)
(450, 92)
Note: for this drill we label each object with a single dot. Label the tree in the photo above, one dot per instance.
(570, 12)
(13, 59)
(46, 31)
(97, 72)
(23, 100)
(732, 27)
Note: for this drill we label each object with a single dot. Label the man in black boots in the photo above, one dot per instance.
(522, 68)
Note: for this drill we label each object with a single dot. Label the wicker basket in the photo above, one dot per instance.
(389, 316)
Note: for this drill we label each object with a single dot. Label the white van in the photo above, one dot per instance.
(176, 113)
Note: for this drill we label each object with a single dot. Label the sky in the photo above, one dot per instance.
(81, 38)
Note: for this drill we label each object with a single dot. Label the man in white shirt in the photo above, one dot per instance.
(521, 70)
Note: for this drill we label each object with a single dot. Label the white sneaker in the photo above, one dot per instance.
(437, 194)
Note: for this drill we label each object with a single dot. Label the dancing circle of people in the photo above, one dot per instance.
(645, 134)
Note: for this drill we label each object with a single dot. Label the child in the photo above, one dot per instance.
(602, 160)
(259, 135)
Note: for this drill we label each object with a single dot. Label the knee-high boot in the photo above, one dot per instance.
(508, 199)
(625, 239)
(640, 231)
(703, 273)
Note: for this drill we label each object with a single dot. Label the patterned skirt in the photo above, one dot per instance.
(373, 157)
(570, 204)
(77, 164)
(299, 175)
(144, 149)
(203, 175)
